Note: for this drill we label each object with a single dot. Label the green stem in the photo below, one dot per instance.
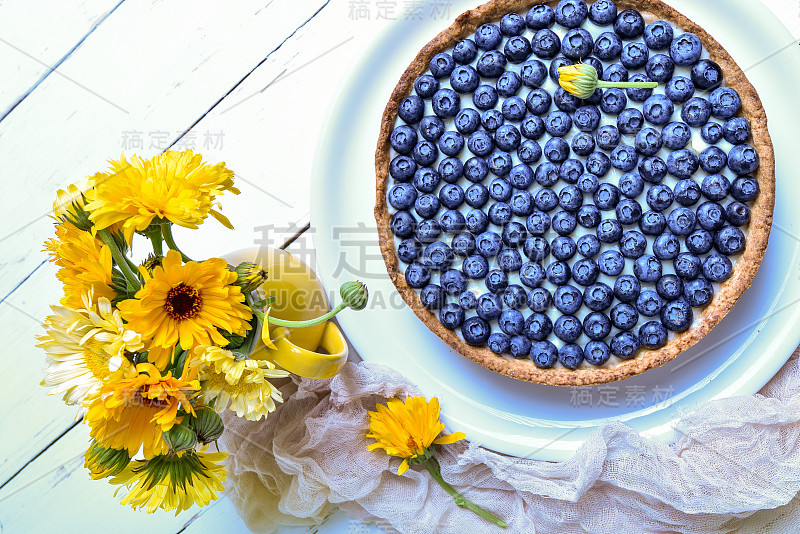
(626, 85)
(155, 238)
(120, 259)
(166, 231)
(433, 468)
(310, 322)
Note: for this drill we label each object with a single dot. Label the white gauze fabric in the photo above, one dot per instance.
(733, 458)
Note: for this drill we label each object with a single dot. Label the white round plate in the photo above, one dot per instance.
(531, 420)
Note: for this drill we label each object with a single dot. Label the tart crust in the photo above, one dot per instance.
(744, 269)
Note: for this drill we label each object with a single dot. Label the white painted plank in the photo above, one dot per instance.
(35, 35)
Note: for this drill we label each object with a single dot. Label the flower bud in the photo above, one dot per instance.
(68, 207)
(355, 295)
(180, 438)
(250, 276)
(152, 261)
(579, 80)
(102, 462)
(207, 424)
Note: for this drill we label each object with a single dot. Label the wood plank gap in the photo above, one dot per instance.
(22, 282)
(64, 433)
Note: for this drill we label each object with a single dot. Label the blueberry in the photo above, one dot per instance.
(558, 273)
(630, 121)
(453, 282)
(624, 345)
(696, 112)
(496, 281)
(567, 299)
(698, 292)
(570, 170)
(648, 141)
(711, 132)
(706, 75)
(639, 95)
(607, 137)
(687, 265)
(648, 303)
(582, 144)
(588, 216)
(736, 130)
(467, 300)
(531, 274)
(426, 85)
(451, 316)
(577, 44)
(570, 356)
(465, 51)
(632, 244)
(563, 248)
(659, 197)
(585, 272)
(658, 35)
(402, 196)
(744, 188)
(679, 89)
(425, 153)
(743, 159)
(568, 328)
(488, 36)
(508, 84)
(428, 231)
(647, 268)
(533, 73)
(426, 206)
(432, 297)
(452, 222)
(711, 216)
(634, 55)
(652, 335)
(586, 118)
(700, 241)
(611, 262)
(489, 306)
(556, 150)
(609, 231)
(417, 275)
(539, 300)
(631, 184)
(409, 250)
(499, 343)
(564, 223)
(529, 150)
(488, 244)
(402, 168)
(683, 163)
(545, 44)
(446, 103)
(500, 163)
(543, 353)
(729, 240)
(538, 101)
(521, 176)
(624, 158)
(666, 247)
(628, 211)
(431, 128)
(476, 195)
(403, 224)
(475, 331)
(713, 159)
(588, 183)
(540, 16)
(598, 297)
(571, 13)
(513, 109)
(627, 288)
(557, 123)
(596, 326)
(512, 24)
(588, 246)
(602, 13)
(514, 234)
(725, 102)
(499, 213)
(658, 110)
(608, 46)
(717, 267)
(565, 101)
(613, 101)
(509, 260)
(536, 248)
(685, 49)
(403, 139)
(677, 315)
(681, 221)
(514, 296)
(596, 352)
(507, 138)
(606, 197)
(492, 119)
(442, 65)
(480, 143)
(687, 192)
(517, 49)
(520, 347)
(464, 79)
(538, 327)
(426, 180)
(475, 267)
(669, 287)
(738, 214)
(467, 121)
(411, 109)
(715, 187)
(538, 223)
(660, 68)
(615, 73)
(570, 198)
(463, 244)
(629, 24)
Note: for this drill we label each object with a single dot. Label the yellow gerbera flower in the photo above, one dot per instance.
(187, 303)
(408, 429)
(132, 412)
(173, 482)
(85, 264)
(176, 186)
(242, 384)
(84, 347)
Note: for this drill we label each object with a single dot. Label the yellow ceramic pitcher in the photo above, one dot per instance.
(299, 296)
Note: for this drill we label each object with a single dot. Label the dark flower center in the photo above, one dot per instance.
(182, 302)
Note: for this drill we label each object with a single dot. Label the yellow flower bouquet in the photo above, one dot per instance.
(151, 353)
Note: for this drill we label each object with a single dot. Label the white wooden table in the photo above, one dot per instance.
(245, 82)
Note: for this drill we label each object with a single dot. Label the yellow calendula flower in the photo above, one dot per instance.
(84, 347)
(70, 205)
(133, 412)
(173, 482)
(242, 385)
(102, 462)
(85, 264)
(176, 186)
(408, 429)
(188, 304)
